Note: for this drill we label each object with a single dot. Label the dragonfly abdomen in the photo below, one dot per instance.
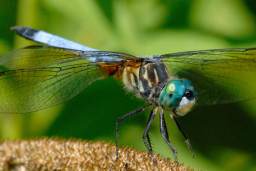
(145, 80)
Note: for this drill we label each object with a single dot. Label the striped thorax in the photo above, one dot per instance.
(145, 80)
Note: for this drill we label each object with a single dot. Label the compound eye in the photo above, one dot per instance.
(189, 94)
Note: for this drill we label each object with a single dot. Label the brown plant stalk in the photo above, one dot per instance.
(59, 154)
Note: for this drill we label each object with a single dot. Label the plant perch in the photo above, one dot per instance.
(60, 154)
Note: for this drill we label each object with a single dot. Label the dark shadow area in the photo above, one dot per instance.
(8, 11)
(93, 113)
(219, 127)
(251, 5)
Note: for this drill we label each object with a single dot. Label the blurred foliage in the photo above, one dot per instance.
(222, 136)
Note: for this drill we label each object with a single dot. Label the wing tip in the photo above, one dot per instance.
(23, 31)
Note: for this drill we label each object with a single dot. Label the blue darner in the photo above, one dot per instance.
(43, 76)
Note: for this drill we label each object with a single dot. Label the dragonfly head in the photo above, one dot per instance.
(178, 95)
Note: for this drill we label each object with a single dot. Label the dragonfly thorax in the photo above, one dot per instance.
(146, 79)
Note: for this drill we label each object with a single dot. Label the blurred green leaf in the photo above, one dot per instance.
(225, 17)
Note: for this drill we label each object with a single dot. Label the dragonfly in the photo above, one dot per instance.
(56, 70)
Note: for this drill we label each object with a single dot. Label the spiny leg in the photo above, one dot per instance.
(120, 120)
(164, 132)
(145, 136)
(187, 141)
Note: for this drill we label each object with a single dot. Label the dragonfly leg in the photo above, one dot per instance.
(123, 118)
(164, 132)
(187, 141)
(145, 136)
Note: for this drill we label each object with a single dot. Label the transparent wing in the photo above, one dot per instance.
(219, 76)
(35, 78)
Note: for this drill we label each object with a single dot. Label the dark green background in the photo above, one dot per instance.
(223, 136)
